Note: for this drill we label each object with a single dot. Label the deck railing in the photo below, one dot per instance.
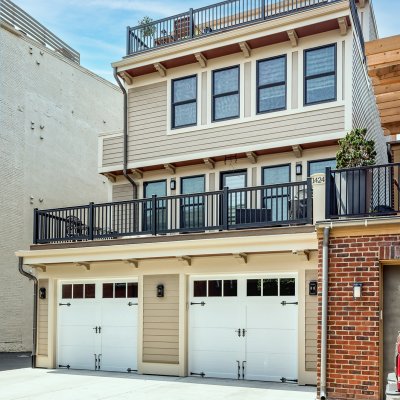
(211, 19)
(363, 191)
(253, 207)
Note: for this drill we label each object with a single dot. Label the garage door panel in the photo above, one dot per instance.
(77, 357)
(217, 315)
(270, 316)
(271, 340)
(215, 339)
(76, 335)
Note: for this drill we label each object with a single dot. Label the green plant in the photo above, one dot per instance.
(355, 150)
(148, 29)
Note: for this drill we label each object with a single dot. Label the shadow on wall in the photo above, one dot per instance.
(14, 361)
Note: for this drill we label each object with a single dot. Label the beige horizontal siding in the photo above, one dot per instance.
(161, 319)
(311, 324)
(43, 320)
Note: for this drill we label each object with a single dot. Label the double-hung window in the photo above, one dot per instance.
(184, 102)
(225, 94)
(320, 75)
(271, 84)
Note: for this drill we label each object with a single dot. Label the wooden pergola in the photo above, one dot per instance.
(383, 58)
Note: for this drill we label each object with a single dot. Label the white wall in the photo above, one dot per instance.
(51, 111)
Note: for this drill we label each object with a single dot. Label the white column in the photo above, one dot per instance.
(318, 184)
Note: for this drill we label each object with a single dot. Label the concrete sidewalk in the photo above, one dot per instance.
(14, 361)
(41, 384)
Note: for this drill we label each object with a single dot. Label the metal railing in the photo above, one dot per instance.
(254, 207)
(23, 22)
(210, 20)
(363, 191)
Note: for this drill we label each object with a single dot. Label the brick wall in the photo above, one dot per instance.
(353, 325)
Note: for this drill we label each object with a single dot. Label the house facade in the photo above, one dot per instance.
(208, 258)
(51, 110)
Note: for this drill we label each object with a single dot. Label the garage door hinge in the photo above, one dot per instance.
(64, 366)
(64, 304)
(131, 370)
(201, 304)
(284, 380)
(202, 374)
(285, 303)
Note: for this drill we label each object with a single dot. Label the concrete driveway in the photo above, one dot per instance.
(41, 384)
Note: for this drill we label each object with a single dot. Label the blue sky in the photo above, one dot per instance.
(96, 28)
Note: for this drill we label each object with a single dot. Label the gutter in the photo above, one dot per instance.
(35, 289)
(125, 164)
(324, 322)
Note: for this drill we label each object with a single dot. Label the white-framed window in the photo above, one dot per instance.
(184, 102)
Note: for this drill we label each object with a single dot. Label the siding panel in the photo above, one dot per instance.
(161, 319)
(43, 322)
(311, 324)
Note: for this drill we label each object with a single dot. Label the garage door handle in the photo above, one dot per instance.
(285, 303)
(238, 332)
(200, 304)
(132, 304)
(64, 304)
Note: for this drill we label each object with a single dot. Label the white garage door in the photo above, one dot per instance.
(244, 327)
(97, 325)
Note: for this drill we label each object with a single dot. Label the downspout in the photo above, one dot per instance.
(324, 322)
(35, 289)
(125, 164)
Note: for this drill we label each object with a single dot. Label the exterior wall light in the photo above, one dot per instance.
(299, 169)
(357, 290)
(172, 184)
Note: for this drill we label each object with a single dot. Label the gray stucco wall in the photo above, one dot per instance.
(51, 111)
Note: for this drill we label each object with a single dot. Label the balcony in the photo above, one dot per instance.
(216, 18)
(227, 209)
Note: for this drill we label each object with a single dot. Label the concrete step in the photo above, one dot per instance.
(391, 391)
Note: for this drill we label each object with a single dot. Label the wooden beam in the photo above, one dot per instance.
(209, 162)
(187, 260)
(388, 79)
(389, 105)
(390, 119)
(297, 150)
(390, 111)
(343, 25)
(126, 77)
(386, 57)
(394, 129)
(376, 70)
(161, 69)
(387, 97)
(137, 173)
(246, 50)
(382, 45)
(292, 35)
(390, 88)
(201, 59)
(252, 157)
(133, 262)
(170, 168)
(241, 258)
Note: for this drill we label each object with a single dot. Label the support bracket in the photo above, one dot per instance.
(170, 168)
(297, 150)
(111, 177)
(161, 69)
(252, 157)
(39, 266)
(187, 260)
(241, 258)
(246, 50)
(304, 254)
(292, 35)
(126, 77)
(201, 59)
(209, 162)
(133, 262)
(137, 173)
(83, 264)
(343, 25)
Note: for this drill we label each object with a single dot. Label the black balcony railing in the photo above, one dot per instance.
(254, 207)
(211, 19)
(363, 191)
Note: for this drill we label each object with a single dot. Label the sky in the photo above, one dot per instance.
(97, 28)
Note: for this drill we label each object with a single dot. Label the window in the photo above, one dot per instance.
(192, 207)
(287, 287)
(225, 90)
(271, 84)
(120, 290)
(318, 166)
(158, 188)
(184, 102)
(237, 199)
(78, 291)
(320, 75)
(213, 288)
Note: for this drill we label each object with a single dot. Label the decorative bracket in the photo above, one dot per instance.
(126, 77)
(83, 264)
(110, 177)
(40, 266)
(187, 260)
(209, 162)
(133, 262)
(201, 59)
(343, 25)
(137, 173)
(241, 258)
(252, 157)
(297, 150)
(305, 254)
(161, 69)
(246, 50)
(292, 35)
(362, 3)
(170, 168)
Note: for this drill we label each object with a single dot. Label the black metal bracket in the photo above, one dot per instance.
(64, 366)
(243, 368)
(284, 380)
(202, 374)
(285, 303)
(131, 370)
(238, 362)
(201, 304)
(132, 304)
(64, 304)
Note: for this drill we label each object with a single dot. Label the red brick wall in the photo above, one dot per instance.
(353, 325)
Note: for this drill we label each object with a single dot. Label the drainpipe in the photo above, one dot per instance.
(35, 289)
(324, 322)
(125, 166)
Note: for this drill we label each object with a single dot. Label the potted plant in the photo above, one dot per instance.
(147, 30)
(354, 184)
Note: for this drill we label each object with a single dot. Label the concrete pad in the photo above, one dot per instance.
(14, 361)
(41, 384)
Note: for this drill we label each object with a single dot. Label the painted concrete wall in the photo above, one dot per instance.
(51, 111)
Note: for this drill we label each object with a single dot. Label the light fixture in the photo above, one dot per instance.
(299, 169)
(172, 184)
(357, 290)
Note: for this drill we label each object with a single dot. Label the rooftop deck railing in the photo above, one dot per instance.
(212, 19)
(253, 207)
(363, 191)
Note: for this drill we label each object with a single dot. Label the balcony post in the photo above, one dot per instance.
(191, 23)
(91, 221)
(309, 201)
(225, 207)
(128, 40)
(263, 9)
(35, 226)
(154, 214)
(328, 194)
(318, 189)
